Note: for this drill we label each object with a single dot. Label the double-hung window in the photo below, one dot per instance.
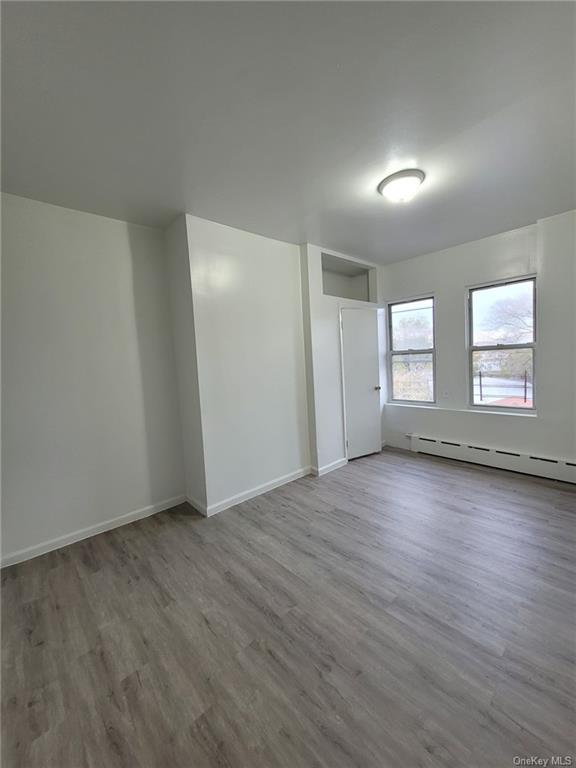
(502, 343)
(411, 344)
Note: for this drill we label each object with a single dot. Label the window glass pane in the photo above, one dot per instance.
(412, 325)
(503, 314)
(413, 377)
(503, 378)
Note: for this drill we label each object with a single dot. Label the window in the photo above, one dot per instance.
(502, 340)
(411, 333)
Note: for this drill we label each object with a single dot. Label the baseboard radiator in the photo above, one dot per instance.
(529, 464)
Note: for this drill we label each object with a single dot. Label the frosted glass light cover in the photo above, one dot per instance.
(402, 186)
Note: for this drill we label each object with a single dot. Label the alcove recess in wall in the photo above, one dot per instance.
(348, 279)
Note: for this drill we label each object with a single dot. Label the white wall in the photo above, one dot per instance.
(250, 356)
(324, 380)
(546, 249)
(346, 286)
(184, 334)
(90, 429)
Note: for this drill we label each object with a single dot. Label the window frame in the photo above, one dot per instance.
(392, 353)
(499, 347)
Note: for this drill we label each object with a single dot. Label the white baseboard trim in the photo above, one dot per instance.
(198, 505)
(84, 533)
(319, 471)
(220, 506)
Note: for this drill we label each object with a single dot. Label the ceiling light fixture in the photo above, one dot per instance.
(401, 187)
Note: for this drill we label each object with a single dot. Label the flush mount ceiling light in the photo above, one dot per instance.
(401, 187)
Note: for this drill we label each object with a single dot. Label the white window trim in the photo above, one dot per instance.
(392, 353)
(495, 347)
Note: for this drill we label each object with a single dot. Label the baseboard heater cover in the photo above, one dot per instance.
(527, 463)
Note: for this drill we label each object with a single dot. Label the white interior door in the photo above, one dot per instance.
(361, 372)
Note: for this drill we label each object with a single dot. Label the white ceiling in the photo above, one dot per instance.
(281, 118)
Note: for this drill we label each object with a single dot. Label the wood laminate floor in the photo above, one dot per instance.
(400, 612)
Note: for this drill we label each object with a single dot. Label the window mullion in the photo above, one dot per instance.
(502, 347)
(427, 351)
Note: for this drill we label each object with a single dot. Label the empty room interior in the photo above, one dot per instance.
(288, 384)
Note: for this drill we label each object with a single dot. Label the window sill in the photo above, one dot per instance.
(527, 414)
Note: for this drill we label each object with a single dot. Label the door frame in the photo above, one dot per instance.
(374, 308)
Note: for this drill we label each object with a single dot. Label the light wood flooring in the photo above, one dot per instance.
(402, 611)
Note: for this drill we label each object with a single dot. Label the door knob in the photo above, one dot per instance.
(378, 388)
